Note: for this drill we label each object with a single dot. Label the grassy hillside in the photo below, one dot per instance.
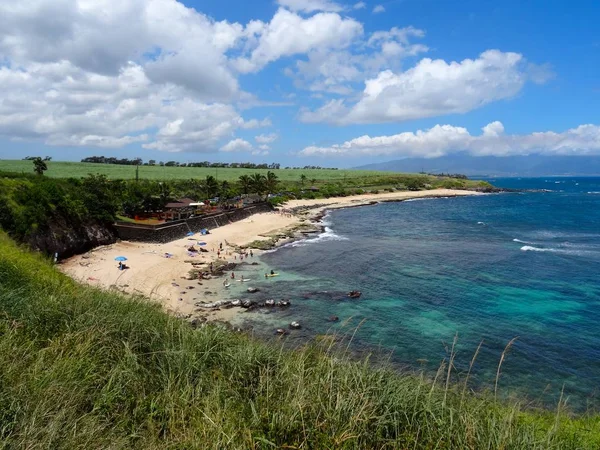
(81, 368)
(61, 169)
(288, 177)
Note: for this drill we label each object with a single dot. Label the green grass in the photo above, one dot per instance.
(83, 368)
(61, 169)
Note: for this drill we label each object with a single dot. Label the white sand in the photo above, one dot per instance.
(164, 279)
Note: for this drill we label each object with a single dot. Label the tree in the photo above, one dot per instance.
(39, 165)
(245, 183)
(211, 186)
(271, 182)
(258, 183)
(164, 192)
(302, 179)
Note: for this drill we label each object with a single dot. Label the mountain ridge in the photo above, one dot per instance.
(530, 165)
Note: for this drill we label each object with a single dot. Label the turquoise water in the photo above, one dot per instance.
(487, 268)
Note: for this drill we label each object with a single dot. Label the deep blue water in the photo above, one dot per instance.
(487, 268)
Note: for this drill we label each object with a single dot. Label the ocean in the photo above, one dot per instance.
(484, 269)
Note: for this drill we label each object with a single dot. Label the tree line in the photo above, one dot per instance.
(224, 165)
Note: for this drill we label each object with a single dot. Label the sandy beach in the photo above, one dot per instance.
(166, 279)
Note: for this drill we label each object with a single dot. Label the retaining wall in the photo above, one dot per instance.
(171, 231)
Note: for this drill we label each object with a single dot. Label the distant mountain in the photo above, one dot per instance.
(495, 166)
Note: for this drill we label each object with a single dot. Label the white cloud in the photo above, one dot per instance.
(339, 72)
(378, 9)
(237, 145)
(359, 5)
(264, 147)
(265, 138)
(254, 123)
(308, 6)
(171, 41)
(445, 139)
(289, 34)
(61, 104)
(431, 88)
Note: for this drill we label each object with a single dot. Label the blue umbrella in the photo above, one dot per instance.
(190, 233)
(201, 243)
(120, 258)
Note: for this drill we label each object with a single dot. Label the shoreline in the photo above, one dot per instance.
(167, 280)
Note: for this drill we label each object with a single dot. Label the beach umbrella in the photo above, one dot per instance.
(190, 233)
(120, 258)
(201, 243)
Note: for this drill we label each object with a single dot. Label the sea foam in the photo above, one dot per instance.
(521, 242)
(327, 235)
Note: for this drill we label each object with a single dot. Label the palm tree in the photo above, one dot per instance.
(245, 183)
(39, 166)
(211, 186)
(271, 182)
(225, 191)
(302, 179)
(164, 192)
(258, 183)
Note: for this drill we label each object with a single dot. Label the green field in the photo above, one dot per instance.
(60, 169)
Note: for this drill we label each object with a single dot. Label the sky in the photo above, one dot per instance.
(299, 82)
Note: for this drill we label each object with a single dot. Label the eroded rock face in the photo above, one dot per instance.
(68, 240)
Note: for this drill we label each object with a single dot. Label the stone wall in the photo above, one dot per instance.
(171, 231)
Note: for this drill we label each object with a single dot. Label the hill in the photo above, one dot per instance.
(66, 169)
(83, 368)
(495, 166)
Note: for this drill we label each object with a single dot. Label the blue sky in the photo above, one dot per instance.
(333, 83)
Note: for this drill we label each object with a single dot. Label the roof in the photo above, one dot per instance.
(176, 205)
(186, 200)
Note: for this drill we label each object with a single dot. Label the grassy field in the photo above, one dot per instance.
(60, 169)
(83, 368)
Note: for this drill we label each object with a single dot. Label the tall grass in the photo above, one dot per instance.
(83, 368)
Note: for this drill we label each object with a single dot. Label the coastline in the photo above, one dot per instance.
(167, 280)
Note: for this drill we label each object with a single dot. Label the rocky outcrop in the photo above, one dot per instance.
(68, 239)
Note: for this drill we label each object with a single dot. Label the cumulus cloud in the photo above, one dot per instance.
(265, 138)
(106, 74)
(431, 88)
(445, 139)
(378, 9)
(289, 34)
(340, 71)
(237, 145)
(308, 6)
(359, 5)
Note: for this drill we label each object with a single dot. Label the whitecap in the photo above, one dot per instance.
(521, 242)
(480, 223)
(562, 251)
(327, 235)
(529, 248)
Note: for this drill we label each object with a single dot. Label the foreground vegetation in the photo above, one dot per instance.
(82, 368)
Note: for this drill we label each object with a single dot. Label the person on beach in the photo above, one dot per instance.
(232, 275)
(251, 254)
